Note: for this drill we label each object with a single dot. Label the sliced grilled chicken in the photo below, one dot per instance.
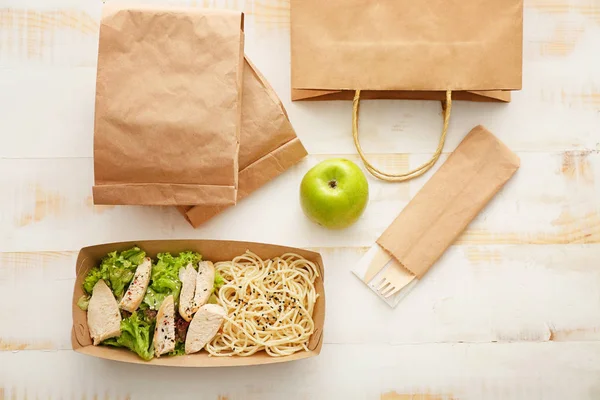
(205, 282)
(137, 289)
(186, 298)
(164, 333)
(103, 316)
(204, 327)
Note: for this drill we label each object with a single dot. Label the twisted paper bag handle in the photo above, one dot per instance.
(446, 111)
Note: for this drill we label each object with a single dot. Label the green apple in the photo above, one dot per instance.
(334, 193)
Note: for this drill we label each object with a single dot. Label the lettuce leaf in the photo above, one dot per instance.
(213, 299)
(219, 281)
(165, 278)
(179, 349)
(136, 335)
(116, 269)
(83, 302)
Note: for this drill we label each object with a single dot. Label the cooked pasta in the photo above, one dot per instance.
(269, 305)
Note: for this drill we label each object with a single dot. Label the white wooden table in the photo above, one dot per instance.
(511, 311)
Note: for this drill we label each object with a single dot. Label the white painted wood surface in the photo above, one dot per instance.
(511, 311)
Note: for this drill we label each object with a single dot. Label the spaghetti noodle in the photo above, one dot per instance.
(269, 305)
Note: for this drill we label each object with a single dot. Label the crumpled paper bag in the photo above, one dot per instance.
(168, 111)
(269, 145)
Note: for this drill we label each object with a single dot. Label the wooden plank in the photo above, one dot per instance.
(440, 371)
(553, 199)
(38, 290)
(64, 100)
(554, 111)
(47, 112)
(519, 290)
(476, 294)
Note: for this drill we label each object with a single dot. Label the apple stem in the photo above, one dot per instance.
(332, 184)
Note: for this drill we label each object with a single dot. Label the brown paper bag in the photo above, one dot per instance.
(449, 201)
(431, 49)
(433, 220)
(268, 145)
(168, 106)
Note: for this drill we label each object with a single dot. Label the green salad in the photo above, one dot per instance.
(165, 277)
(118, 270)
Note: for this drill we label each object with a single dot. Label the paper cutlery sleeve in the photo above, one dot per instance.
(449, 201)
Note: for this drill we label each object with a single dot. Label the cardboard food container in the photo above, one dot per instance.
(212, 250)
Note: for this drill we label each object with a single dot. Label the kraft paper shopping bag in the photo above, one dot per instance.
(406, 49)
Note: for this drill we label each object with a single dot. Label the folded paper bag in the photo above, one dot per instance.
(168, 110)
(268, 143)
(404, 49)
(439, 213)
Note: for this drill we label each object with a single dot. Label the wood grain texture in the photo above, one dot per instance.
(587, 8)
(32, 36)
(467, 372)
(509, 312)
(269, 15)
(539, 118)
(415, 396)
(553, 199)
(462, 300)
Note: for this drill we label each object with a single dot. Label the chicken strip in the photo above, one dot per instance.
(205, 282)
(204, 326)
(103, 316)
(186, 298)
(164, 333)
(137, 289)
